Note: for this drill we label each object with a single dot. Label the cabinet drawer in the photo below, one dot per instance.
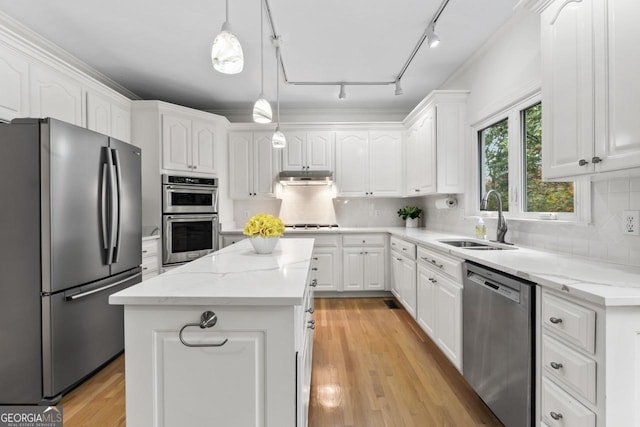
(575, 323)
(363, 240)
(149, 247)
(149, 264)
(403, 247)
(444, 263)
(230, 240)
(559, 409)
(321, 240)
(569, 367)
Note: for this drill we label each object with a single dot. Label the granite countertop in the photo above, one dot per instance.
(600, 282)
(235, 275)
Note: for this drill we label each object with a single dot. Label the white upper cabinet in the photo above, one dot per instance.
(369, 163)
(567, 88)
(435, 144)
(421, 156)
(14, 85)
(618, 63)
(188, 145)
(108, 117)
(308, 151)
(253, 165)
(55, 95)
(589, 86)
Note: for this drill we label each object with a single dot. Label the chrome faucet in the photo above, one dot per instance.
(502, 222)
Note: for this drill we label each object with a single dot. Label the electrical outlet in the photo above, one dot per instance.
(630, 225)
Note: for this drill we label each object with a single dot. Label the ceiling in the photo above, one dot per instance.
(161, 49)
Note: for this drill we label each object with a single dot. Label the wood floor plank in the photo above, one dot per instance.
(372, 367)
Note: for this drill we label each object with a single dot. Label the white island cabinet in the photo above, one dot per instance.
(224, 340)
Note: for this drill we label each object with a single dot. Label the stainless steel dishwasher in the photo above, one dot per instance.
(498, 342)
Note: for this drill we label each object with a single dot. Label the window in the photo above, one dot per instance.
(494, 163)
(540, 196)
(509, 161)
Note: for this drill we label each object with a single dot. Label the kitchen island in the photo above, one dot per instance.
(224, 340)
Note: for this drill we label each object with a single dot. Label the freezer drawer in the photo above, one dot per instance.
(81, 331)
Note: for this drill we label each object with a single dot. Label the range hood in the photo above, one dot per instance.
(306, 177)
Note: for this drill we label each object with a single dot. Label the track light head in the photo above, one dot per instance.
(343, 92)
(432, 38)
(398, 88)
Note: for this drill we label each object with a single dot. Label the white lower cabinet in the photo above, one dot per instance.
(403, 265)
(363, 269)
(150, 259)
(439, 301)
(252, 368)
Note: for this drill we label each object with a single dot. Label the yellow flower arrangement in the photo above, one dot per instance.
(264, 225)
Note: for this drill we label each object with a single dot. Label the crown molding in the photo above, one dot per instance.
(41, 49)
(313, 115)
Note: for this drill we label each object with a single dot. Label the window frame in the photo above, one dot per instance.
(517, 171)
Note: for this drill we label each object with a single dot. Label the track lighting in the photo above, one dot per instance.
(262, 109)
(432, 38)
(343, 92)
(398, 88)
(226, 52)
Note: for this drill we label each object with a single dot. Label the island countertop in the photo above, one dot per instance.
(235, 275)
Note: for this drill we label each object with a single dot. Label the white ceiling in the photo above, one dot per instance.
(161, 49)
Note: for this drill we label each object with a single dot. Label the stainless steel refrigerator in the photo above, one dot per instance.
(70, 236)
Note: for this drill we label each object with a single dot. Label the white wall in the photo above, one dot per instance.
(505, 69)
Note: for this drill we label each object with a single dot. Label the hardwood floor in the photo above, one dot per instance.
(372, 366)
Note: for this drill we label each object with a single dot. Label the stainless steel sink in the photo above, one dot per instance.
(476, 245)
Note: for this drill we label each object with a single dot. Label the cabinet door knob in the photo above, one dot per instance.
(555, 320)
(582, 162)
(555, 415)
(310, 310)
(195, 167)
(314, 283)
(555, 365)
(596, 159)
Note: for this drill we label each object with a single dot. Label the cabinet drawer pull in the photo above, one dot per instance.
(434, 262)
(311, 326)
(556, 416)
(555, 365)
(310, 310)
(314, 283)
(208, 319)
(311, 322)
(404, 249)
(555, 320)
(314, 268)
(144, 252)
(399, 259)
(315, 258)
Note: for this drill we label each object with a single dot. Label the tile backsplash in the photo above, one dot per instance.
(603, 239)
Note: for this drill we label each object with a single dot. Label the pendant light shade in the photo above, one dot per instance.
(278, 140)
(226, 52)
(262, 109)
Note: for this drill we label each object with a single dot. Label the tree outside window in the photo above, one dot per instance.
(541, 196)
(494, 163)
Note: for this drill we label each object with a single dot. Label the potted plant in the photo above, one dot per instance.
(410, 214)
(263, 230)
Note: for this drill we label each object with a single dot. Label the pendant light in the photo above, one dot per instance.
(262, 109)
(226, 52)
(278, 140)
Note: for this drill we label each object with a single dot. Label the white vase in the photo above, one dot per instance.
(264, 245)
(412, 223)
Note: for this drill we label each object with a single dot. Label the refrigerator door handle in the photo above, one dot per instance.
(112, 205)
(118, 210)
(95, 291)
(103, 197)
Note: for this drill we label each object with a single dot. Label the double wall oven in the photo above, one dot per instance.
(189, 218)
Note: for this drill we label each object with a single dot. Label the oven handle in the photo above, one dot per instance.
(190, 217)
(191, 188)
(94, 291)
